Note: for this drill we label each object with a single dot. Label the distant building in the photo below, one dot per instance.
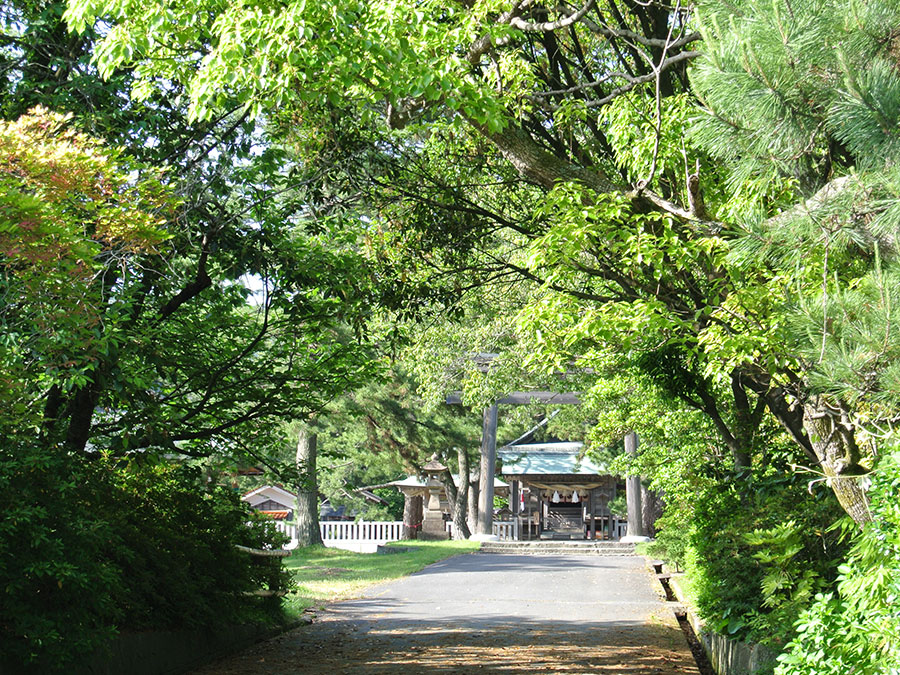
(280, 504)
(272, 500)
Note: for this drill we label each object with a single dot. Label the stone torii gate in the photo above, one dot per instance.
(483, 529)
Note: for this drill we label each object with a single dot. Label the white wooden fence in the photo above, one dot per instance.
(373, 531)
(362, 536)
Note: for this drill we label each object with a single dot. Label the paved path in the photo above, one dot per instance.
(486, 613)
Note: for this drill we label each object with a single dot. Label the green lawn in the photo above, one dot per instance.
(327, 574)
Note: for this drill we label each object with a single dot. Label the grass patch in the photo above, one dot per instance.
(645, 548)
(328, 574)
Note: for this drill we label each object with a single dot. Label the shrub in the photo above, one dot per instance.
(857, 628)
(762, 545)
(93, 546)
(672, 538)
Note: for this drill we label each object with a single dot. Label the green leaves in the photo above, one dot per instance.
(857, 628)
(69, 207)
(86, 541)
(264, 55)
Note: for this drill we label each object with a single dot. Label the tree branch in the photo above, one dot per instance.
(548, 26)
(201, 282)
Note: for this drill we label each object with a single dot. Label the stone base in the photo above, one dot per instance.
(634, 540)
(433, 536)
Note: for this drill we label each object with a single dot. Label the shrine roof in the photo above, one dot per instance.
(540, 459)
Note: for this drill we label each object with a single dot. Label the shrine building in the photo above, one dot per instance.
(558, 493)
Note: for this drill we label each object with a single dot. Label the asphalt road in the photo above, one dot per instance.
(489, 613)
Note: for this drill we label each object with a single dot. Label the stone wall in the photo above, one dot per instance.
(163, 652)
(727, 656)
(170, 652)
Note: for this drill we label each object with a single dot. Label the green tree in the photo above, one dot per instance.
(189, 337)
(525, 80)
(82, 532)
(388, 427)
(855, 627)
(71, 218)
(809, 93)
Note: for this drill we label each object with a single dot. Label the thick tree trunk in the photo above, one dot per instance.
(538, 164)
(307, 516)
(52, 407)
(827, 437)
(80, 412)
(747, 419)
(833, 440)
(488, 461)
(457, 497)
(412, 516)
(651, 509)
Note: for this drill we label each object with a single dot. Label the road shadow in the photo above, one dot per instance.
(495, 644)
(496, 562)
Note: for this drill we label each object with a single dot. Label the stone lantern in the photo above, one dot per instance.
(433, 518)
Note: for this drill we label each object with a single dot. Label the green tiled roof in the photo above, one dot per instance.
(547, 458)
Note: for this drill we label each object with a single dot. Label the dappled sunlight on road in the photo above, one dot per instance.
(334, 646)
(488, 613)
(548, 649)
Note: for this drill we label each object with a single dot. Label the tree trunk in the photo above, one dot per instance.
(412, 516)
(633, 492)
(651, 509)
(833, 440)
(307, 516)
(456, 497)
(460, 505)
(827, 436)
(474, 490)
(747, 419)
(538, 164)
(80, 412)
(488, 461)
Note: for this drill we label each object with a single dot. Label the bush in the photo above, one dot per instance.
(857, 629)
(761, 547)
(672, 538)
(93, 546)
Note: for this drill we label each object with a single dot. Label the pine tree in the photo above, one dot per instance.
(803, 105)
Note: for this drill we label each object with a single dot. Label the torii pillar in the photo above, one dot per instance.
(633, 496)
(484, 528)
(484, 523)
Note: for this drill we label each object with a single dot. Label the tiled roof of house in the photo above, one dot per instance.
(276, 515)
(277, 488)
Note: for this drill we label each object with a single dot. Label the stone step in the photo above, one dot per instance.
(548, 547)
(556, 552)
